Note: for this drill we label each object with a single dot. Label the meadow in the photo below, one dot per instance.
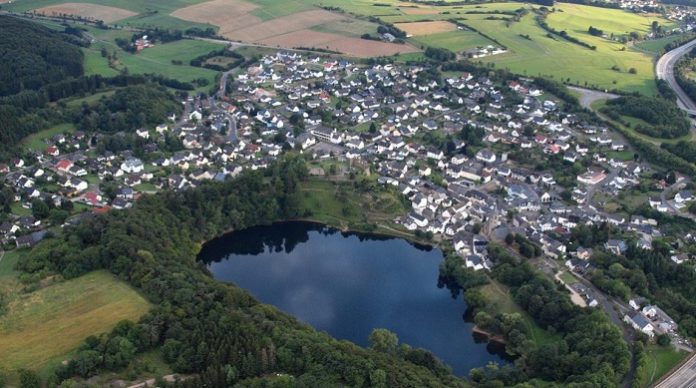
(48, 323)
(157, 59)
(531, 51)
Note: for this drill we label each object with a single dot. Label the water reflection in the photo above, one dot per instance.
(349, 283)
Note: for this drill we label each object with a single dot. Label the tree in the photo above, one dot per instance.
(58, 216)
(29, 379)
(663, 340)
(383, 340)
(39, 209)
(378, 378)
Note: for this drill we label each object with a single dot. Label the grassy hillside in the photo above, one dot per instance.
(43, 325)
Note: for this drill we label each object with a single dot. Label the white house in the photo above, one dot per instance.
(132, 165)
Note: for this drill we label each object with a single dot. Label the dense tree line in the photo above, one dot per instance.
(33, 56)
(684, 149)
(665, 90)
(217, 331)
(439, 54)
(200, 61)
(665, 118)
(595, 31)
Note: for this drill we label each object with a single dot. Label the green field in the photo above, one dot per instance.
(54, 320)
(660, 361)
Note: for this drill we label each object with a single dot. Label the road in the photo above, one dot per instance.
(665, 71)
(588, 96)
(683, 377)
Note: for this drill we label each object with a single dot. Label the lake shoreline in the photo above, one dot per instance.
(268, 260)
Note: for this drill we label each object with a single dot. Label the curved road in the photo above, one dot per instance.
(665, 71)
(588, 96)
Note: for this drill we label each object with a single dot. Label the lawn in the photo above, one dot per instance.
(660, 361)
(621, 155)
(54, 320)
(19, 210)
(501, 300)
(7, 263)
(568, 278)
(37, 141)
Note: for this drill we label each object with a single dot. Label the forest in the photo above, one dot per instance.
(34, 56)
(214, 330)
(128, 109)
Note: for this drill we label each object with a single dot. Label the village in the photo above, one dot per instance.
(477, 161)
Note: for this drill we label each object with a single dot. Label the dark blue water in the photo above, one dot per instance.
(347, 284)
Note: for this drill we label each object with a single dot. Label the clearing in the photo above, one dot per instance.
(88, 11)
(48, 323)
(426, 28)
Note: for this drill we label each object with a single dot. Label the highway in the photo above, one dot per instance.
(665, 70)
(683, 377)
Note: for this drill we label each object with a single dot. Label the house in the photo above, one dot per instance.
(120, 204)
(683, 196)
(305, 140)
(30, 240)
(639, 322)
(132, 165)
(143, 133)
(486, 156)
(616, 247)
(592, 177)
(64, 165)
(475, 262)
